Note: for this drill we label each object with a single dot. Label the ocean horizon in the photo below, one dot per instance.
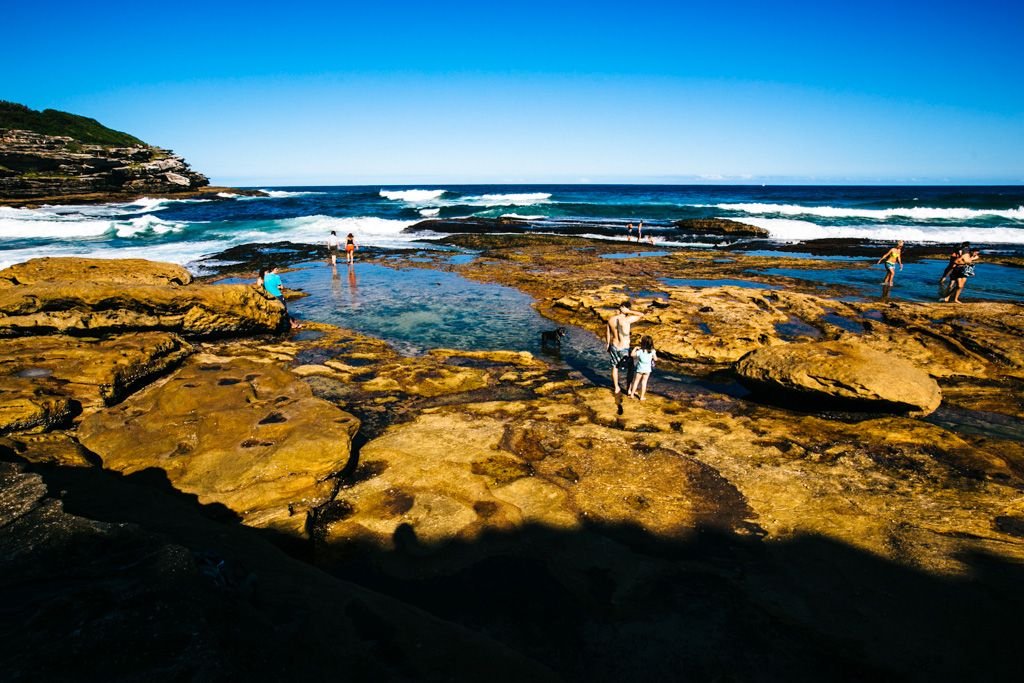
(185, 230)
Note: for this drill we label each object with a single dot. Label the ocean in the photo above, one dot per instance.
(183, 231)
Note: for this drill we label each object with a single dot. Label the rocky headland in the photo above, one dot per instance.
(832, 490)
(55, 157)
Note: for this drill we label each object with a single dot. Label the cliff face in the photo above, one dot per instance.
(35, 165)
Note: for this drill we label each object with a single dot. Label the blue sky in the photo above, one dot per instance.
(320, 93)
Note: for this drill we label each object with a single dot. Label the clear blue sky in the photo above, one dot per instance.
(293, 93)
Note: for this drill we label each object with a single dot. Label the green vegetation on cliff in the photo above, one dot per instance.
(53, 122)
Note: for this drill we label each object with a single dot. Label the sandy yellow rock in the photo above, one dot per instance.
(249, 436)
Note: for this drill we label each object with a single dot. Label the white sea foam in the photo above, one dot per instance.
(368, 230)
(522, 217)
(412, 196)
(525, 199)
(281, 194)
(228, 195)
(429, 212)
(789, 229)
(916, 213)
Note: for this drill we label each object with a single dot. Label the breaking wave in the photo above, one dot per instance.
(915, 213)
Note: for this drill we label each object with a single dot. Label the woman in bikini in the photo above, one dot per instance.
(891, 258)
(350, 248)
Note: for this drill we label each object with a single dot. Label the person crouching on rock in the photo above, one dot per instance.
(617, 337)
(644, 356)
(272, 284)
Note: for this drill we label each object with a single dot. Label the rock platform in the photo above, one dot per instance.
(462, 514)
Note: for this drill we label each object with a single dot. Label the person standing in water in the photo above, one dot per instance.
(332, 247)
(629, 232)
(956, 254)
(963, 269)
(350, 248)
(644, 356)
(617, 337)
(891, 258)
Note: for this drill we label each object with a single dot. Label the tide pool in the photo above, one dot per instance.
(917, 281)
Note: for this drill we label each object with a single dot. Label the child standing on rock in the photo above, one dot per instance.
(645, 357)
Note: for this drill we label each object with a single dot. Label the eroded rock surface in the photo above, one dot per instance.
(242, 434)
(94, 296)
(46, 381)
(159, 592)
(841, 371)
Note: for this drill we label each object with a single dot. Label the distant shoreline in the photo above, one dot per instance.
(121, 197)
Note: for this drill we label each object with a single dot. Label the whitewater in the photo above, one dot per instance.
(184, 231)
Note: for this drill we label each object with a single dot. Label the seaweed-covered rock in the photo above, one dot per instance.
(844, 371)
(719, 226)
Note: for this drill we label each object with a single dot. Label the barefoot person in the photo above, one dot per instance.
(891, 258)
(956, 253)
(333, 246)
(350, 248)
(617, 337)
(644, 356)
(272, 283)
(962, 269)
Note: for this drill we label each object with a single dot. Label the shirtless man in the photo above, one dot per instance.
(617, 336)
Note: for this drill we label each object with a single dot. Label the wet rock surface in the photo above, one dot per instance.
(699, 534)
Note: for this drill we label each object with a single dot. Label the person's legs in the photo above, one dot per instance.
(632, 387)
(643, 384)
(890, 271)
(960, 284)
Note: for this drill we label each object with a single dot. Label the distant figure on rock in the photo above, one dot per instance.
(644, 356)
(891, 258)
(333, 246)
(629, 232)
(617, 338)
(350, 248)
(272, 283)
(640, 231)
(963, 268)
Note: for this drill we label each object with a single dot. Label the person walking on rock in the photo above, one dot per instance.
(644, 356)
(617, 338)
(891, 258)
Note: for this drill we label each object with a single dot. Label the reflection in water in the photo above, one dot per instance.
(352, 281)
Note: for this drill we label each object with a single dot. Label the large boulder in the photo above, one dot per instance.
(843, 371)
(46, 381)
(97, 296)
(235, 432)
(94, 271)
